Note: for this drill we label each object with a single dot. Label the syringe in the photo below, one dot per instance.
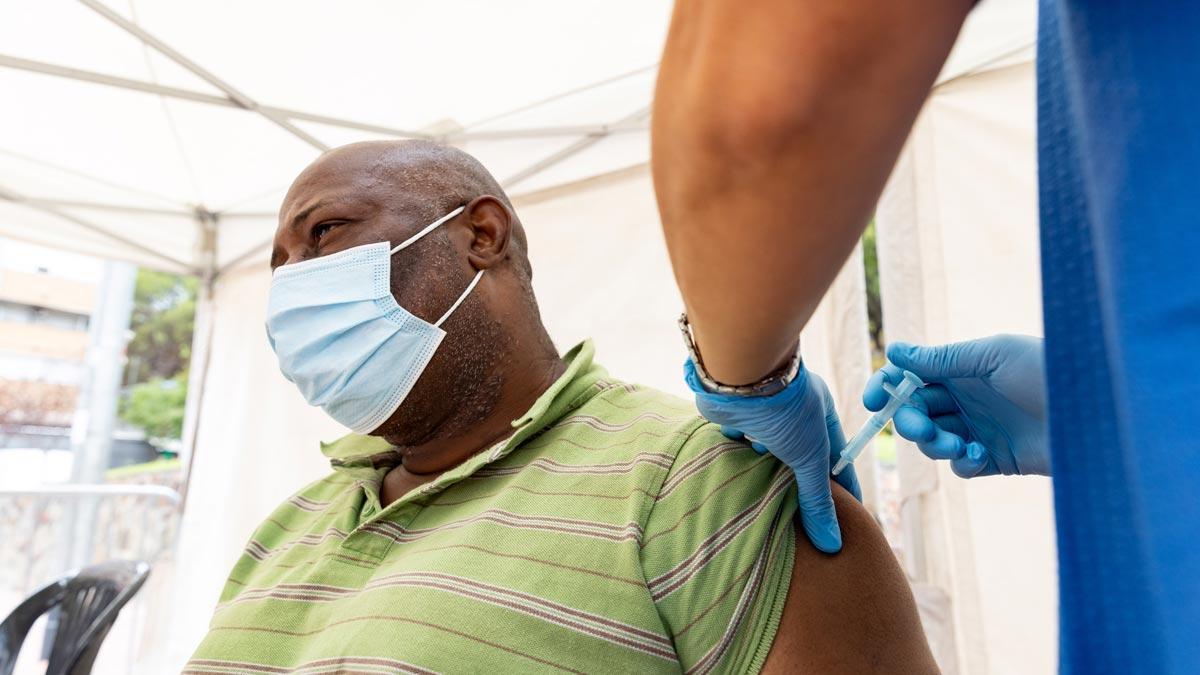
(879, 420)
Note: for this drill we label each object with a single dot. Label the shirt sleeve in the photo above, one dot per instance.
(717, 552)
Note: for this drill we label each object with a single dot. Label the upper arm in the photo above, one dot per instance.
(852, 612)
(775, 126)
(743, 75)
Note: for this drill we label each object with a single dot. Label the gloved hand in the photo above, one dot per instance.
(983, 406)
(799, 426)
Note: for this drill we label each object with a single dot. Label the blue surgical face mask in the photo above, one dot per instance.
(341, 337)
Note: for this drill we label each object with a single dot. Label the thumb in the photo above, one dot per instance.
(817, 514)
(960, 359)
(973, 463)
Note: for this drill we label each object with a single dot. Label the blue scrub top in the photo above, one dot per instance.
(1119, 170)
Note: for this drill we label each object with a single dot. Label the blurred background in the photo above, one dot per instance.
(145, 146)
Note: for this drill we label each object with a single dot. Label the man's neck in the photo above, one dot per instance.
(528, 378)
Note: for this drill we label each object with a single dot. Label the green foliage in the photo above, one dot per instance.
(164, 306)
(157, 407)
(874, 305)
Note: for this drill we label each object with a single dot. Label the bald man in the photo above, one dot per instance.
(503, 507)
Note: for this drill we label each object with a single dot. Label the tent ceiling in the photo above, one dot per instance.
(132, 126)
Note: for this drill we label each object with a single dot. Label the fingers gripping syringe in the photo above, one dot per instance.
(899, 396)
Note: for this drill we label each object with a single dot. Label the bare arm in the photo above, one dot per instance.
(853, 613)
(776, 123)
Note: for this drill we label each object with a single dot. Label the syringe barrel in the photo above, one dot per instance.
(874, 425)
(898, 396)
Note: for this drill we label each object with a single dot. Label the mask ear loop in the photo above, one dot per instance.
(459, 301)
(428, 228)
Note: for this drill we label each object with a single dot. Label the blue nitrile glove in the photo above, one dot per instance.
(799, 426)
(983, 406)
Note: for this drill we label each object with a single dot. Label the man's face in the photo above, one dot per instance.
(338, 203)
(350, 198)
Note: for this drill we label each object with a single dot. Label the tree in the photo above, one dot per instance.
(874, 306)
(157, 407)
(164, 308)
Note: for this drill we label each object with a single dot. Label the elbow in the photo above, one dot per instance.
(746, 136)
(739, 127)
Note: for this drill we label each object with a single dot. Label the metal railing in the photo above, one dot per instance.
(128, 522)
(102, 490)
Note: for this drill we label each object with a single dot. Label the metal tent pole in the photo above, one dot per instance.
(166, 50)
(207, 224)
(571, 150)
(81, 75)
(17, 198)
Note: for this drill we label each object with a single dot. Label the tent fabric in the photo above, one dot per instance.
(165, 134)
(957, 224)
(545, 93)
(559, 93)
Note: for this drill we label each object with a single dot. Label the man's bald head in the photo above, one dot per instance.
(419, 178)
(442, 178)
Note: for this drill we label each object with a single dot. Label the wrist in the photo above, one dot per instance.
(774, 382)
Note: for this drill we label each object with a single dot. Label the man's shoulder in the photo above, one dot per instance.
(616, 397)
(626, 418)
(629, 422)
(322, 491)
(306, 507)
(310, 512)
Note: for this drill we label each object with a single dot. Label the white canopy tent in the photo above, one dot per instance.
(122, 134)
(165, 134)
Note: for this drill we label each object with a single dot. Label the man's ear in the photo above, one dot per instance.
(491, 224)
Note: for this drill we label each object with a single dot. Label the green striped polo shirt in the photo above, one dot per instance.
(614, 531)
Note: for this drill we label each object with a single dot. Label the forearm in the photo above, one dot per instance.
(776, 123)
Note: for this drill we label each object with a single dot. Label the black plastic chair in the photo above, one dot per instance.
(88, 602)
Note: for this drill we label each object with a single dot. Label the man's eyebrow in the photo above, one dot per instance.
(300, 217)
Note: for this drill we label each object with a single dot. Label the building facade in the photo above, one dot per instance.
(46, 297)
